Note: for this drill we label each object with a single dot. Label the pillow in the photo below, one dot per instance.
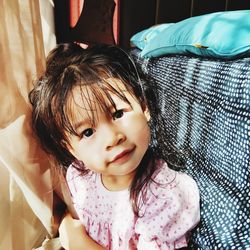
(221, 35)
(142, 38)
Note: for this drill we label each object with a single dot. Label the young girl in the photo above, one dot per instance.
(91, 113)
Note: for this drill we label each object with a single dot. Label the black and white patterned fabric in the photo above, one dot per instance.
(206, 108)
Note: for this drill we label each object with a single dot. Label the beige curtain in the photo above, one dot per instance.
(27, 204)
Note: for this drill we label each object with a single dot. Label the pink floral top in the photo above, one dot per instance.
(169, 211)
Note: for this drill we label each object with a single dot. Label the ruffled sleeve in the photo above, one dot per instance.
(170, 211)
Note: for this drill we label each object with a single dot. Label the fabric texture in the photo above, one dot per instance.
(206, 108)
(26, 199)
(170, 210)
(144, 37)
(220, 35)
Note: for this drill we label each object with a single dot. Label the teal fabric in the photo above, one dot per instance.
(142, 38)
(221, 35)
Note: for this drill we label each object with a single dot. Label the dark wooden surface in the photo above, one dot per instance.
(137, 15)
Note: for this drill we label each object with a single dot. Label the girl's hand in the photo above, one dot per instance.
(73, 235)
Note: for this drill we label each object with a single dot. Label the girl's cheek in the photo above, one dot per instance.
(137, 129)
(136, 121)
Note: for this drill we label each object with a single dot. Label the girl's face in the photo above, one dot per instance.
(113, 146)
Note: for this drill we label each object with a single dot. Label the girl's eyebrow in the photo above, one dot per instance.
(81, 123)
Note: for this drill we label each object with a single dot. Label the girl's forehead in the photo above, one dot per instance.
(96, 97)
(99, 92)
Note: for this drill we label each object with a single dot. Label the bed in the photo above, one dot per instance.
(205, 102)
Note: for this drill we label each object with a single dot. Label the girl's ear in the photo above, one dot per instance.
(146, 111)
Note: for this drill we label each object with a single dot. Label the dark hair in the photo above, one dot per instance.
(69, 65)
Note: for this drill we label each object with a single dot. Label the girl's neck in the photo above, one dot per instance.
(117, 183)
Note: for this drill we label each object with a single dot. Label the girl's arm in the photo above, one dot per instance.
(73, 236)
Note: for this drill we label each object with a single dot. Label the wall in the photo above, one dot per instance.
(133, 16)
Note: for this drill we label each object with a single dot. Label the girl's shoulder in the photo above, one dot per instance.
(169, 178)
(167, 182)
(76, 178)
(163, 174)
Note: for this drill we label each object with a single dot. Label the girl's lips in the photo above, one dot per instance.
(123, 156)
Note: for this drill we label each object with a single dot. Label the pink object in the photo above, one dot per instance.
(169, 212)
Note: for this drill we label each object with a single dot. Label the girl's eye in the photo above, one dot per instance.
(87, 132)
(118, 114)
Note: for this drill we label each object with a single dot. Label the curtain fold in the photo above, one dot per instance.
(22, 55)
(26, 180)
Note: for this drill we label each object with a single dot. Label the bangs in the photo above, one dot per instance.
(84, 102)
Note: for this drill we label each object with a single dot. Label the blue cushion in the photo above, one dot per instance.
(221, 34)
(142, 38)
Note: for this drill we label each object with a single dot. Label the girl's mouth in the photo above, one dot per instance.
(123, 156)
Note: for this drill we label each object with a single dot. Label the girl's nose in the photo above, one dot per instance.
(113, 137)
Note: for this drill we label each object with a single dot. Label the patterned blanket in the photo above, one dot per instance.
(206, 108)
